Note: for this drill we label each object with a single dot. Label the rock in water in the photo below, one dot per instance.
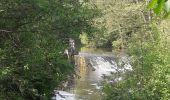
(63, 95)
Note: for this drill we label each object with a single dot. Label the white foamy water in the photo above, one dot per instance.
(89, 86)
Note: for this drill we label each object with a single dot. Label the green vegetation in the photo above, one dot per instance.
(160, 7)
(149, 79)
(145, 38)
(118, 22)
(33, 35)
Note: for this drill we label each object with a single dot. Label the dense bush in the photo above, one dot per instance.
(149, 79)
(33, 35)
(147, 47)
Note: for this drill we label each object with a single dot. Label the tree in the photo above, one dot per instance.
(148, 50)
(32, 38)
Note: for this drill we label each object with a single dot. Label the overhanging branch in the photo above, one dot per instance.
(4, 31)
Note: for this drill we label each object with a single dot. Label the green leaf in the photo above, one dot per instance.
(166, 15)
(167, 6)
(159, 7)
(152, 4)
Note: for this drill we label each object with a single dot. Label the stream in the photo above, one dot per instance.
(92, 66)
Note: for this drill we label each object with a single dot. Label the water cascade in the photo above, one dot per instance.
(92, 69)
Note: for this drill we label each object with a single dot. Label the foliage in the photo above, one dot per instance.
(148, 48)
(160, 6)
(149, 79)
(119, 20)
(33, 35)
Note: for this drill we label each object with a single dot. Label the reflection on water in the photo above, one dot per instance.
(96, 50)
(91, 65)
(87, 87)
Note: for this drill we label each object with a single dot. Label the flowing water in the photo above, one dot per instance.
(93, 66)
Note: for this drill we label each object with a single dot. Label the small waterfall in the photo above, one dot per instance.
(105, 64)
(92, 68)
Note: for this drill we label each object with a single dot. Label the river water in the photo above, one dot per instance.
(92, 66)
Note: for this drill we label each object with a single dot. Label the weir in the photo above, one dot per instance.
(92, 69)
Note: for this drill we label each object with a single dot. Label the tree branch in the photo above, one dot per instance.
(4, 31)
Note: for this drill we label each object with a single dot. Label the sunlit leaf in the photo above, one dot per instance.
(167, 6)
(152, 4)
(159, 7)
